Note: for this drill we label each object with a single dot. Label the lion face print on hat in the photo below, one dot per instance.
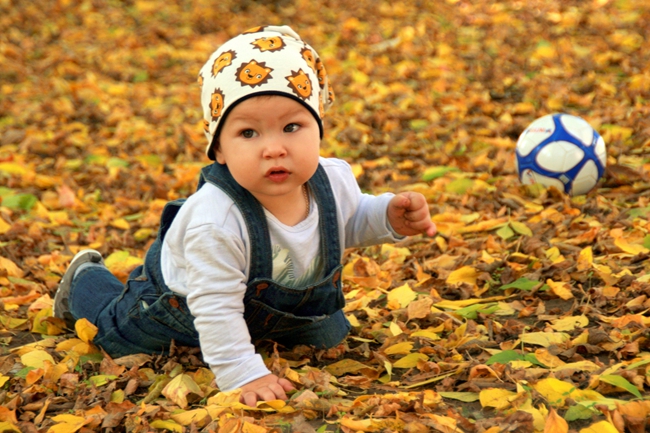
(267, 60)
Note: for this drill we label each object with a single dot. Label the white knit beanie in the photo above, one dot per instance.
(267, 60)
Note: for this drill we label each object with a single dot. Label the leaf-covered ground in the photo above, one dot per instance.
(528, 312)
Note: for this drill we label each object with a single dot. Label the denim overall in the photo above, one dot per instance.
(147, 315)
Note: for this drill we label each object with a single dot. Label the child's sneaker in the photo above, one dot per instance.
(61, 308)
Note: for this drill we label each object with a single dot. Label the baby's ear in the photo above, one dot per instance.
(218, 155)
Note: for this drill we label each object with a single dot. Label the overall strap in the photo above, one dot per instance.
(330, 246)
(261, 264)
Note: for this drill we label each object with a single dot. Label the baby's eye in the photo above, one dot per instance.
(292, 127)
(248, 133)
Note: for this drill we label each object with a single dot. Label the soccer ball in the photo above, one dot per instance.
(563, 151)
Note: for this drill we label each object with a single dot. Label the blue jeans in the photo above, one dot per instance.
(144, 316)
(139, 317)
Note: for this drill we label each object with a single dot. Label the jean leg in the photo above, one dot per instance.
(91, 291)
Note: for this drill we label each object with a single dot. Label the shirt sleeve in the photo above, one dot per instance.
(363, 215)
(215, 259)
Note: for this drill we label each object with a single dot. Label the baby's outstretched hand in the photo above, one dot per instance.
(408, 214)
(269, 387)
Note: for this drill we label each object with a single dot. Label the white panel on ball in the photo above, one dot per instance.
(585, 179)
(601, 151)
(537, 132)
(560, 156)
(579, 128)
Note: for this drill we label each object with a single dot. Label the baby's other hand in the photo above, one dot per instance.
(269, 387)
(408, 214)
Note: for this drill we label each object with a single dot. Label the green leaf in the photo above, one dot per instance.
(436, 172)
(505, 232)
(116, 162)
(579, 411)
(22, 373)
(459, 186)
(504, 357)
(471, 312)
(467, 397)
(20, 201)
(638, 364)
(530, 357)
(522, 284)
(646, 241)
(639, 212)
(621, 382)
(521, 228)
(93, 357)
(101, 379)
(418, 124)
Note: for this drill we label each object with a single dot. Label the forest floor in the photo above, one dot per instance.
(528, 312)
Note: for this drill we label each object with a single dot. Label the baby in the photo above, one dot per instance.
(255, 253)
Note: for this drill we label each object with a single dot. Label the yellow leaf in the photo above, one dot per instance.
(4, 227)
(600, 427)
(518, 364)
(275, 405)
(10, 267)
(6, 426)
(545, 339)
(554, 390)
(36, 358)
(403, 348)
(403, 294)
(166, 425)
(366, 425)
(555, 423)
(13, 168)
(544, 52)
(497, 398)
(143, 234)
(86, 331)
(466, 274)
(252, 428)
(344, 366)
(121, 263)
(395, 254)
(570, 323)
(353, 320)
(426, 333)
(630, 248)
(548, 359)
(67, 423)
(585, 259)
(179, 388)
(561, 289)
(457, 305)
(357, 170)
(120, 223)
(554, 255)
(482, 226)
(579, 365)
(190, 416)
(410, 360)
(539, 414)
(394, 329)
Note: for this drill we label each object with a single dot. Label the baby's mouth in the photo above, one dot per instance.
(278, 174)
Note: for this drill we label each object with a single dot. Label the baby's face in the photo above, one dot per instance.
(271, 146)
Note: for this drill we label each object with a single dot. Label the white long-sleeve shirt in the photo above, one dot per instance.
(205, 257)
